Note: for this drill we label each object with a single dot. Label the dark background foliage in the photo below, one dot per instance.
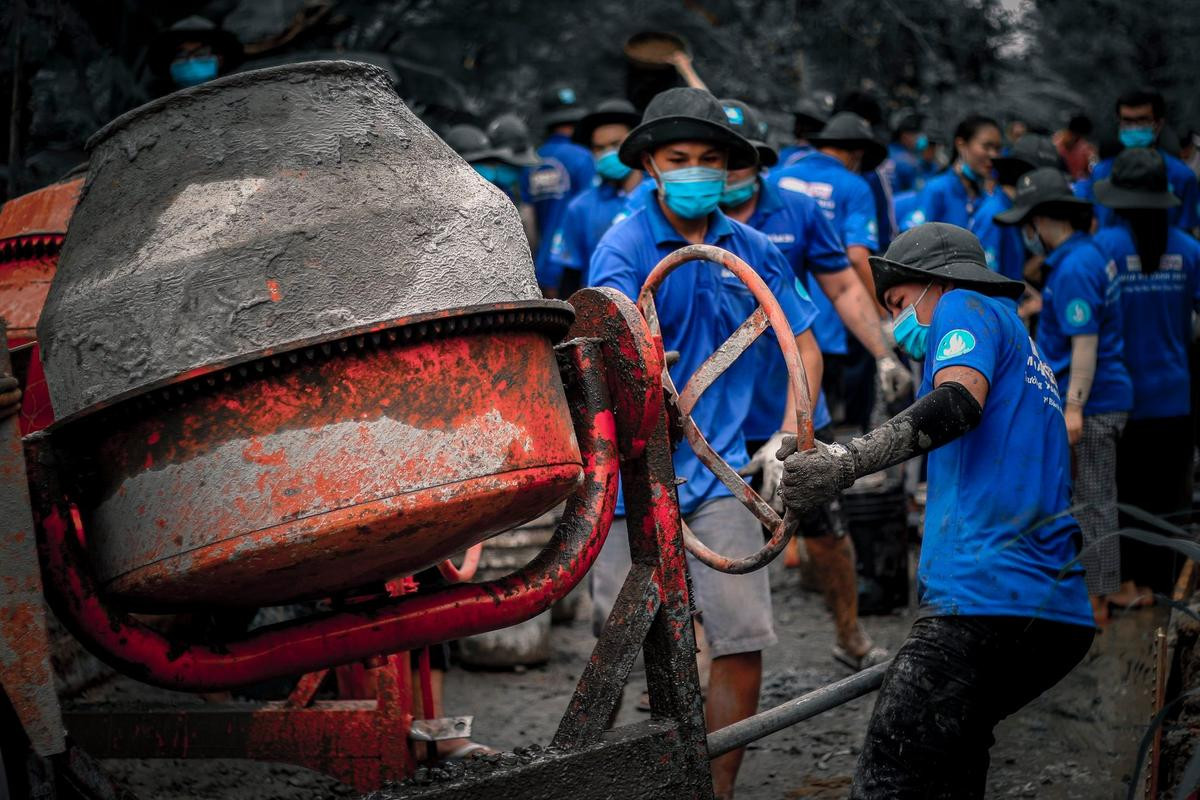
(69, 66)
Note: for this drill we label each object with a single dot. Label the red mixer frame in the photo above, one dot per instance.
(627, 415)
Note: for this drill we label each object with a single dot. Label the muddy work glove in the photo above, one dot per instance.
(894, 379)
(10, 396)
(814, 477)
(764, 461)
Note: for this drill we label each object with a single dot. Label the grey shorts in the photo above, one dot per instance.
(735, 609)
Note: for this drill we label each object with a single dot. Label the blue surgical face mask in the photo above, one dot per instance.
(609, 166)
(692, 192)
(736, 194)
(1137, 137)
(1033, 243)
(194, 71)
(910, 333)
(922, 143)
(488, 171)
(504, 176)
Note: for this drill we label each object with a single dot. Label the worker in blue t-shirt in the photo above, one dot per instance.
(797, 226)
(1141, 120)
(498, 166)
(1081, 336)
(808, 118)
(845, 147)
(1158, 266)
(1004, 611)
(592, 213)
(684, 144)
(565, 170)
(905, 152)
(956, 195)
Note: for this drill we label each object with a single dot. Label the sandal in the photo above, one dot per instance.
(875, 655)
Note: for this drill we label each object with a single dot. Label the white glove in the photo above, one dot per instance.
(764, 461)
(894, 379)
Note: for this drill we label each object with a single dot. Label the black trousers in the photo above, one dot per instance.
(951, 682)
(1154, 473)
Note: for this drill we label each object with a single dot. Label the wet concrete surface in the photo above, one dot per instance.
(1077, 741)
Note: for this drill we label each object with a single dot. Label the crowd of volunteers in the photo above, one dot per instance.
(1002, 307)
(1024, 305)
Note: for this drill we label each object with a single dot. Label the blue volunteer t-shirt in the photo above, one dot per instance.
(1180, 180)
(1156, 308)
(565, 171)
(794, 224)
(699, 306)
(793, 153)
(587, 219)
(848, 203)
(905, 168)
(944, 199)
(1082, 296)
(1002, 244)
(991, 546)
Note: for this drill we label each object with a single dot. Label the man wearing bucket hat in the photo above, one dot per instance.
(844, 147)
(1002, 244)
(1158, 267)
(809, 117)
(796, 225)
(1080, 337)
(684, 144)
(1004, 614)
(1141, 121)
(497, 165)
(592, 213)
(193, 51)
(565, 170)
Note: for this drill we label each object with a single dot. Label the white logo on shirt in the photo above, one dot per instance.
(821, 191)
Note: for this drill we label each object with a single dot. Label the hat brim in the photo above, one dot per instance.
(874, 153)
(587, 126)
(166, 44)
(1108, 194)
(1011, 164)
(767, 156)
(563, 116)
(490, 154)
(963, 274)
(677, 128)
(1019, 213)
(520, 158)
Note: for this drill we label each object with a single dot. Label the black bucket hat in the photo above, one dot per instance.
(1030, 152)
(939, 251)
(1138, 180)
(809, 114)
(683, 114)
(616, 111)
(473, 145)
(194, 29)
(509, 133)
(849, 131)
(1045, 189)
(745, 120)
(560, 106)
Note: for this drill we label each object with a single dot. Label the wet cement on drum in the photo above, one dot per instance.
(1077, 741)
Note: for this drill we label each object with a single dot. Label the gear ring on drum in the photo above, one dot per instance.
(768, 313)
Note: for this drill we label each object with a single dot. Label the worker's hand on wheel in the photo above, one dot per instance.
(894, 379)
(764, 461)
(1074, 418)
(10, 396)
(814, 477)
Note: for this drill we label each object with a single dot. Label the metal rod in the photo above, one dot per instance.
(751, 729)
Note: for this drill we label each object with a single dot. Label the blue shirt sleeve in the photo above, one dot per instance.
(1079, 299)
(823, 248)
(567, 247)
(859, 227)
(1189, 195)
(611, 267)
(964, 332)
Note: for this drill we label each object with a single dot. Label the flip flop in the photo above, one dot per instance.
(876, 655)
(467, 751)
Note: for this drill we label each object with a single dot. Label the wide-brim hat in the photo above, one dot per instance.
(745, 120)
(848, 131)
(1029, 153)
(939, 251)
(607, 112)
(473, 145)
(808, 111)
(560, 106)
(193, 29)
(509, 134)
(1138, 181)
(1045, 190)
(685, 114)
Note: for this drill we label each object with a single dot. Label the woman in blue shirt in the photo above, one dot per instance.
(1004, 614)
(1080, 336)
(1158, 267)
(956, 194)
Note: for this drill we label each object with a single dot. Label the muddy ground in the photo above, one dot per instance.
(1078, 741)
